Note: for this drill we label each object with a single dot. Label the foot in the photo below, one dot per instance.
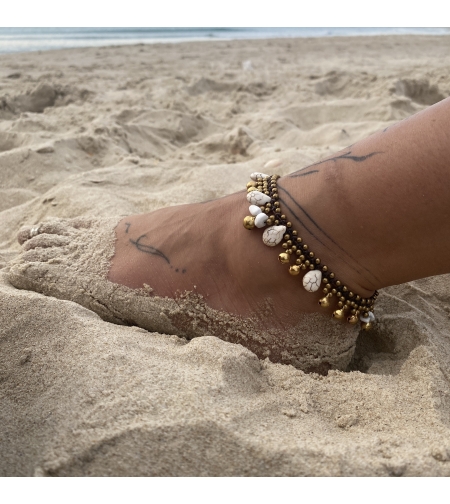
(189, 270)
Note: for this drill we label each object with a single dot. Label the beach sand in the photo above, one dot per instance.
(107, 132)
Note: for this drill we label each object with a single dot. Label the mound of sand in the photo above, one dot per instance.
(111, 131)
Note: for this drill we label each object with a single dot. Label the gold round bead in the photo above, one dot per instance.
(311, 266)
(294, 270)
(302, 257)
(303, 266)
(366, 326)
(298, 252)
(249, 222)
(289, 242)
(305, 247)
(298, 261)
(353, 319)
(333, 291)
(340, 304)
(283, 258)
(294, 233)
(311, 254)
(307, 263)
(325, 290)
(325, 280)
(338, 283)
(250, 189)
(345, 288)
(299, 240)
(294, 248)
(283, 217)
(317, 261)
(251, 184)
(288, 224)
(286, 236)
(331, 275)
(324, 268)
(285, 246)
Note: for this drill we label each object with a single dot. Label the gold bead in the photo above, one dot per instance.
(302, 257)
(277, 222)
(303, 266)
(324, 268)
(294, 233)
(311, 266)
(251, 184)
(307, 263)
(267, 193)
(353, 319)
(344, 288)
(340, 304)
(331, 275)
(288, 224)
(283, 258)
(338, 314)
(338, 283)
(294, 248)
(305, 247)
(333, 291)
(262, 208)
(285, 246)
(276, 204)
(317, 261)
(298, 261)
(294, 270)
(289, 251)
(325, 280)
(298, 253)
(328, 286)
(299, 240)
(250, 189)
(325, 290)
(324, 302)
(286, 236)
(350, 294)
(366, 326)
(289, 242)
(249, 222)
(311, 254)
(283, 217)
(267, 210)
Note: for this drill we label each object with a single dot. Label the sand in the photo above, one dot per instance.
(106, 132)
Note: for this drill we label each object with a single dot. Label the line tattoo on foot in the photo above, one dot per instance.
(148, 249)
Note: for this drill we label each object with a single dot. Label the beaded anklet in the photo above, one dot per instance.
(262, 194)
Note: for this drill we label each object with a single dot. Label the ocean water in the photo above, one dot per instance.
(42, 39)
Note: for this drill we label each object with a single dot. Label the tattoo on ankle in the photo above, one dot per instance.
(148, 249)
(347, 155)
(127, 224)
(321, 231)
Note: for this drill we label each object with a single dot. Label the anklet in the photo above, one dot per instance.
(262, 194)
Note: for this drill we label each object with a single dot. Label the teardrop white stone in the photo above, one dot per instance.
(364, 319)
(257, 198)
(254, 210)
(260, 220)
(312, 279)
(371, 316)
(273, 163)
(257, 175)
(273, 235)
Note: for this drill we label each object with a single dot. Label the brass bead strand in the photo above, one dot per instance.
(350, 306)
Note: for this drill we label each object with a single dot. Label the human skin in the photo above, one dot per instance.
(377, 213)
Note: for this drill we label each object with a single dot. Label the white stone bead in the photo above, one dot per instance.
(257, 175)
(273, 163)
(257, 198)
(260, 220)
(254, 210)
(371, 316)
(364, 319)
(273, 235)
(312, 279)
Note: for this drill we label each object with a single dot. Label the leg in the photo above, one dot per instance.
(358, 211)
